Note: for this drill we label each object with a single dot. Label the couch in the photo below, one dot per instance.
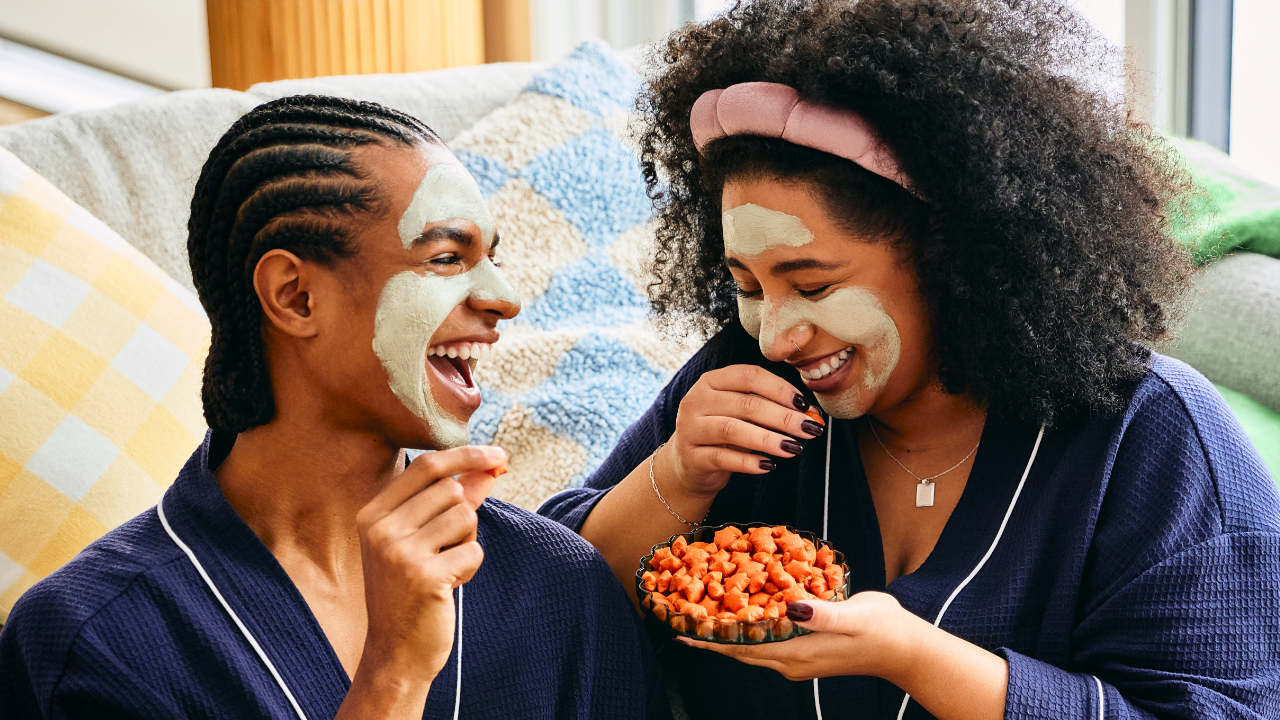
(133, 167)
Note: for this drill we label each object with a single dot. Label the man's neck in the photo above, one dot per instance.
(299, 485)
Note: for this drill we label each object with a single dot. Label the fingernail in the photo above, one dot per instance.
(811, 427)
(792, 447)
(800, 403)
(799, 612)
(768, 465)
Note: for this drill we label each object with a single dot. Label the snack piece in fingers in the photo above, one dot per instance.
(499, 470)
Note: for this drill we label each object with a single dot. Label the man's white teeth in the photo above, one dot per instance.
(828, 366)
(466, 351)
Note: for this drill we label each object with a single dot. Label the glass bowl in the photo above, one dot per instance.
(730, 632)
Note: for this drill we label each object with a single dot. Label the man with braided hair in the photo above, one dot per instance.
(301, 566)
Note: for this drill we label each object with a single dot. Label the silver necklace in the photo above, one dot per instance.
(924, 491)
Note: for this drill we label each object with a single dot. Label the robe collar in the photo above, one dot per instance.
(253, 582)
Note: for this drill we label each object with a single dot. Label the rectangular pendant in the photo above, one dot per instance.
(924, 494)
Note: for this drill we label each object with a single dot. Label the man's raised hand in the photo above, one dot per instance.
(418, 543)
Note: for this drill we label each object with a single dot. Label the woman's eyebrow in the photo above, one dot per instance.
(790, 266)
(496, 239)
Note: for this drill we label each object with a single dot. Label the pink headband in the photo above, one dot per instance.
(773, 110)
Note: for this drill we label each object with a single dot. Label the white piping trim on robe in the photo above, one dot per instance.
(963, 583)
(457, 701)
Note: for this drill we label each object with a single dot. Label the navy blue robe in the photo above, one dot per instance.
(129, 630)
(1138, 577)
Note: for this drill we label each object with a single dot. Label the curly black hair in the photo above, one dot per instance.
(1044, 251)
(281, 178)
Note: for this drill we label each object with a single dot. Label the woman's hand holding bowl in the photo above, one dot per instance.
(872, 634)
(868, 634)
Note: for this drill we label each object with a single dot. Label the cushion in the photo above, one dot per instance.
(449, 100)
(1243, 213)
(1260, 423)
(134, 166)
(99, 379)
(581, 362)
(1232, 334)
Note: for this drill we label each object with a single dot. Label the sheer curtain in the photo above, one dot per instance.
(559, 25)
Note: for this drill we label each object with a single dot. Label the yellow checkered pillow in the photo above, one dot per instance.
(100, 361)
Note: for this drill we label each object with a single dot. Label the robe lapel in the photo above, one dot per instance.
(255, 585)
(969, 532)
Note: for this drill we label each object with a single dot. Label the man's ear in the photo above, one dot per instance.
(282, 281)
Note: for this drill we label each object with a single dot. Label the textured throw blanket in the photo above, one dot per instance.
(581, 362)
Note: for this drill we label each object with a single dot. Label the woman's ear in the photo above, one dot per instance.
(282, 281)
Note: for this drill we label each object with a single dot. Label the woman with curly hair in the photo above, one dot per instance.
(919, 217)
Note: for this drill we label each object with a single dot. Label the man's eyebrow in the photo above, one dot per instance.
(734, 263)
(445, 232)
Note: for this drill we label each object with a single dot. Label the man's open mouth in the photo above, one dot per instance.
(454, 361)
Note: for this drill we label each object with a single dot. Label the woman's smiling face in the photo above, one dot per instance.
(843, 310)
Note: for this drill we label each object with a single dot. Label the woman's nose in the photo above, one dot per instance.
(778, 343)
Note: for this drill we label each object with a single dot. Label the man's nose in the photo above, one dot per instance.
(492, 294)
(503, 308)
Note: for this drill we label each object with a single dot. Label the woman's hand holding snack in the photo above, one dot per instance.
(418, 543)
(872, 634)
(732, 420)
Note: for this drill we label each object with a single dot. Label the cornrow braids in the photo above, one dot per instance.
(280, 178)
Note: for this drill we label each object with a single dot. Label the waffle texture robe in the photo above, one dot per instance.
(129, 630)
(1138, 576)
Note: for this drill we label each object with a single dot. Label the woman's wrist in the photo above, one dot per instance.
(929, 663)
(906, 641)
(673, 491)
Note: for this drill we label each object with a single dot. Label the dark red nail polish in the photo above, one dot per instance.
(800, 403)
(768, 465)
(811, 427)
(792, 447)
(799, 612)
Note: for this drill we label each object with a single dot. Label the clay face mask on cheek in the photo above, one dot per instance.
(853, 315)
(412, 306)
(751, 230)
